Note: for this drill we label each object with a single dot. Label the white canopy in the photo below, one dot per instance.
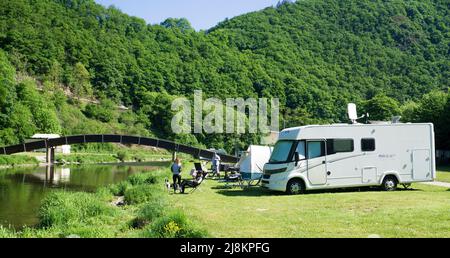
(253, 160)
(45, 136)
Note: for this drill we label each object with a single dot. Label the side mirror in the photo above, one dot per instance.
(297, 158)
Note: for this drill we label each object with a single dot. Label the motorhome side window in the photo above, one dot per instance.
(368, 144)
(316, 149)
(301, 150)
(339, 145)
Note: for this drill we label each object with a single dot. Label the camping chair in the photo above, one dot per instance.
(199, 168)
(233, 180)
(194, 184)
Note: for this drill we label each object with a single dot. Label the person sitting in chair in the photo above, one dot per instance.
(193, 183)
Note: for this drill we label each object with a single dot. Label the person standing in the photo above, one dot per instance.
(216, 164)
(176, 173)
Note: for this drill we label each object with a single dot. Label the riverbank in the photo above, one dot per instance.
(118, 157)
(144, 213)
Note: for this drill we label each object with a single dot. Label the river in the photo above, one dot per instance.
(23, 189)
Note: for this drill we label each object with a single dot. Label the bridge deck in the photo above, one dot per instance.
(109, 138)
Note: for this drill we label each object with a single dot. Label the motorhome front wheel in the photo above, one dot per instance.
(295, 186)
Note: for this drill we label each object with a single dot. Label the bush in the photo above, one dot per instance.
(142, 178)
(64, 208)
(83, 231)
(104, 194)
(6, 233)
(141, 194)
(104, 112)
(120, 188)
(18, 160)
(139, 158)
(174, 225)
(122, 156)
(149, 212)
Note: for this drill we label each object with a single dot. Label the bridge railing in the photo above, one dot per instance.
(110, 138)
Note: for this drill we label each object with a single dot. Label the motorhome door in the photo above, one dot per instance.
(317, 162)
(421, 165)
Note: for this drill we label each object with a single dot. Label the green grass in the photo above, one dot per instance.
(92, 215)
(443, 174)
(225, 213)
(215, 211)
(14, 160)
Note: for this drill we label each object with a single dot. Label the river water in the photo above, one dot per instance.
(23, 189)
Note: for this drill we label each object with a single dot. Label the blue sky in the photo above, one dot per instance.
(203, 14)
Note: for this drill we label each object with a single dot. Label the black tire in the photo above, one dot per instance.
(389, 183)
(295, 187)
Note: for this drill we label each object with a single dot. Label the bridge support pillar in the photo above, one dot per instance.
(50, 156)
(174, 155)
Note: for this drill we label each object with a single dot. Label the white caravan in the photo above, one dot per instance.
(351, 155)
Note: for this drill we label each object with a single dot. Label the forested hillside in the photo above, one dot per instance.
(316, 56)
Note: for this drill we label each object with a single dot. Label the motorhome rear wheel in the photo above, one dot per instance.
(390, 183)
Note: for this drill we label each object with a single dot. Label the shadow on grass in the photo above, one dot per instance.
(443, 168)
(248, 192)
(259, 191)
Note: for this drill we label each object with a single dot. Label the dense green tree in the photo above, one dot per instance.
(182, 24)
(105, 112)
(431, 108)
(7, 95)
(381, 108)
(315, 56)
(81, 85)
(22, 122)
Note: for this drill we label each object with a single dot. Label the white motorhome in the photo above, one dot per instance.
(351, 155)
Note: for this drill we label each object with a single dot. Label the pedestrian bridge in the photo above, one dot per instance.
(50, 145)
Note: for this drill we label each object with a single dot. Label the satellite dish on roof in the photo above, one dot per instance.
(352, 114)
(396, 119)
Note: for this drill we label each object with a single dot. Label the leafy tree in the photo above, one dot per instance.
(105, 112)
(22, 122)
(81, 85)
(315, 56)
(183, 24)
(7, 94)
(381, 107)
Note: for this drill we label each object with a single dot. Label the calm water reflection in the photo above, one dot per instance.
(22, 190)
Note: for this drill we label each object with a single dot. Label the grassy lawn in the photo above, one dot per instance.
(225, 213)
(443, 174)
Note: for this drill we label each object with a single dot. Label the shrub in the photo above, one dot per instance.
(63, 208)
(141, 194)
(149, 212)
(122, 156)
(6, 233)
(104, 193)
(143, 178)
(83, 231)
(104, 112)
(119, 189)
(18, 160)
(174, 225)
(139, 158)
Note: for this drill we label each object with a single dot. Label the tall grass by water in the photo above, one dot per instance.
(145, 213)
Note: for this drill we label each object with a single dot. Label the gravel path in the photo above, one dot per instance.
(437, 183)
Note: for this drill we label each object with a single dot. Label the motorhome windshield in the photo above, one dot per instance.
(281, 151)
